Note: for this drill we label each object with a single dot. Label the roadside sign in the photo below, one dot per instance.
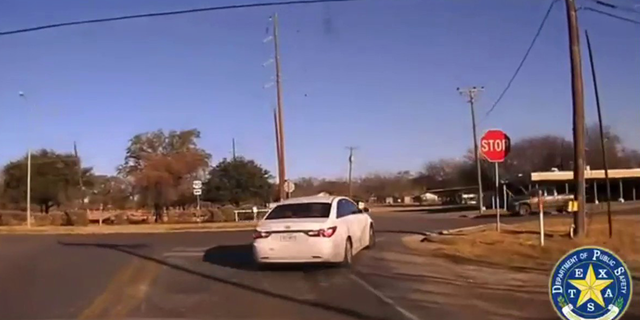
(197, 192)
(197, 184)
(289, 186)
(495, 145)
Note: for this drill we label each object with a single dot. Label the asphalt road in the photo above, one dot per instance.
(197, 275)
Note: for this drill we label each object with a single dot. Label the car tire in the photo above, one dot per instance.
(347, 259)
(524, 210)
(372, 238)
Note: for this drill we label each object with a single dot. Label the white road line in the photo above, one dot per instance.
(384, 298)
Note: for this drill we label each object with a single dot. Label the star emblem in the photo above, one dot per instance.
(590, 287)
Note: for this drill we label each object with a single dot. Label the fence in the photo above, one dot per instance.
(244, 215)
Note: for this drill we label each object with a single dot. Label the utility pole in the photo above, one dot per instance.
(75, 153)
(350, 169)
(577, 93)
(233, 148)
(22, 95)
(281, 191)
(602, 144)
(471, 95)
(282, 168)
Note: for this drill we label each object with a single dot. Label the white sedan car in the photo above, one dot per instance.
(313, 229)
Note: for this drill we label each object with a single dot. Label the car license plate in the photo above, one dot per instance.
(288, 237)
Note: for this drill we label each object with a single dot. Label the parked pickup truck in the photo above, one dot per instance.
(551, 201)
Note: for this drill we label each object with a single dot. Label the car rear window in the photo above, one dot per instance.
(300, 210)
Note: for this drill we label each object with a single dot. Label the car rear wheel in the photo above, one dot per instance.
(347, 260)
(372, 238)
(524, 210)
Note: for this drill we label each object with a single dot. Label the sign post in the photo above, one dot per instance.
(541, 213)
(497, 193)
(495, 146)
(289, 186)
(197, 191)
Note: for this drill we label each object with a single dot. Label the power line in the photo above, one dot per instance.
(615, 6)
(611, 15)
(166, 13)
(526, 55)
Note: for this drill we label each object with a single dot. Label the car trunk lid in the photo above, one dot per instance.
(292, 225)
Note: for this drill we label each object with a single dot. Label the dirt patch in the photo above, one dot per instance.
(518, 246)
(437, 288)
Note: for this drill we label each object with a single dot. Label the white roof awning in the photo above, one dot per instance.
(588, 174)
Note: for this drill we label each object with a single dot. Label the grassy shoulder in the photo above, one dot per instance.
(518, 246)
(134, 228)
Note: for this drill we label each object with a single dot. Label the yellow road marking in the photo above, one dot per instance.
(136, 291)
(105, 298)
(127, 288)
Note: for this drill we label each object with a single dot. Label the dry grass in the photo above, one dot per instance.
(518, 246)
(141, 228)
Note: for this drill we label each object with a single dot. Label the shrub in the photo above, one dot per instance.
(57, 219)
(120, 218)
(221, 214)
(51, 219)
(227, 214)
(13, 218)
(213, 214)
(76, 218)
(181, 216)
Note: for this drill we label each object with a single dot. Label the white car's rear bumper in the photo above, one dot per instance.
(270, 250)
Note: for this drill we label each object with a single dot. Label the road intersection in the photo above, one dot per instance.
(212, 275)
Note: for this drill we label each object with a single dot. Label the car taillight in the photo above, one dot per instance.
(261, 234)
(325, 233)
(328, 232)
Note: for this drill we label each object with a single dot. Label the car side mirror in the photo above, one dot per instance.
(360, 205)
(365, 210)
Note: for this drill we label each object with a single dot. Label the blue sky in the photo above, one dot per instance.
(377, 74)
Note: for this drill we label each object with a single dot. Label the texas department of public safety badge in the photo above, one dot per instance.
(590, 283)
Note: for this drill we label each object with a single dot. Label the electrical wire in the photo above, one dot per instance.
(610, 15)
(166, 13)
(616, 7)
(524, 58)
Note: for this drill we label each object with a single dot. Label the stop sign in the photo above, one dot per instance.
(495, 145)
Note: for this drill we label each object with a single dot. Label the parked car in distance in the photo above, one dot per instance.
(313, 229)
(528, 203)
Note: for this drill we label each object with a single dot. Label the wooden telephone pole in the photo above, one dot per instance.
(77, 157)
(577, 93)
(281, 191)
(471, 94)
(282, 167)
(277, 112)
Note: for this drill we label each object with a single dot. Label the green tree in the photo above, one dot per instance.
(238, 181)
(55, 179)
(111, 192)
(163, 165)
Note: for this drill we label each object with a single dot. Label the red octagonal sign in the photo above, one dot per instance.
(495, 145)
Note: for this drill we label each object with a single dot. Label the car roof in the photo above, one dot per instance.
(311, 199)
